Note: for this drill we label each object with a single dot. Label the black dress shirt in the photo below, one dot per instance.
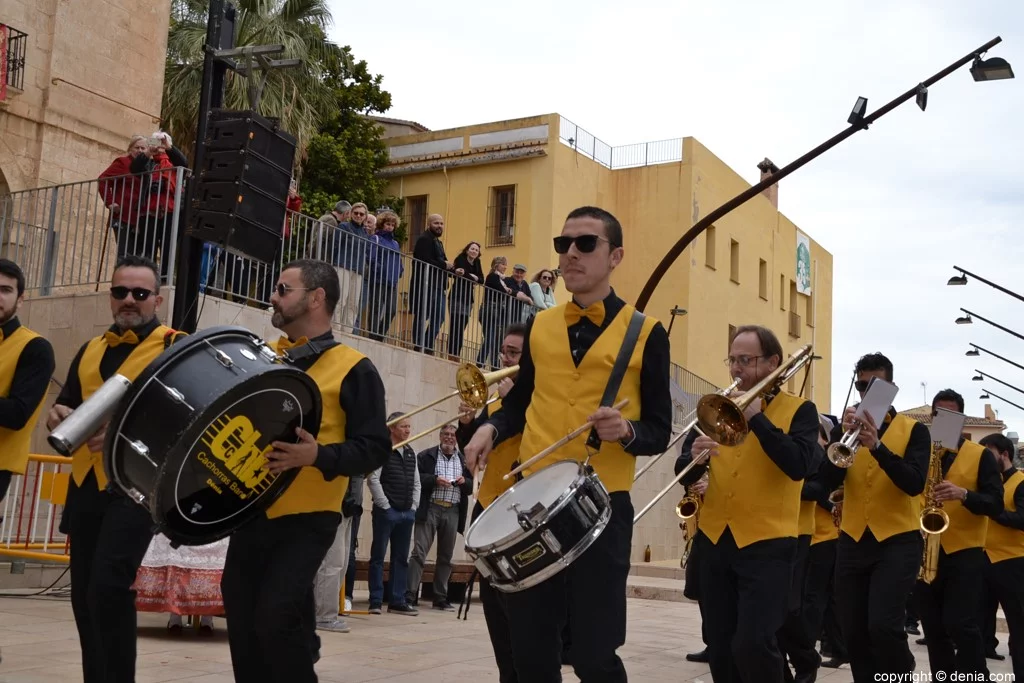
(367, 440)
(654, 428)
(1014, 520)
(908, 473)
(795, 453)
(988, 499)
(31, 377)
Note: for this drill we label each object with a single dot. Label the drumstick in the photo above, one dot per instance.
(561, 442)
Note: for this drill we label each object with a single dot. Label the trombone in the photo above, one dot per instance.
(438, 425)
(472, 386)
(721, 418)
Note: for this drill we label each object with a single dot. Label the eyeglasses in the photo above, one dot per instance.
(861, 385)
(509, 351)
(138, 293)
(742, 361)
(585, 243)
(282, 289)
(545, 277)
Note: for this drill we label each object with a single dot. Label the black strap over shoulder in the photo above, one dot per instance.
(636, 323)
(309, 350)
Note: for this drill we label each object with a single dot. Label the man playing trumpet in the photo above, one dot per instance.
(750, 518)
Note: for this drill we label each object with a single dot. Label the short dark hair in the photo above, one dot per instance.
(770, 344)
(516, 329)
(136, 261)
(1000, 443)
(12, 269)
(949, 395)
(872, 362)
(319, 275)
(612, 227)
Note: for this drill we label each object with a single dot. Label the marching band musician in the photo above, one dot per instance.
(879, 549)
(500, 461)
(950, 606)
(109, 534)
(1004, 546)
(26, 363)
(691, 580)
(272, 560)
(567, 361)
(750, 519)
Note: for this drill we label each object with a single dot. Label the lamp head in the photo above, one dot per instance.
(957, 280)
(984, 396)
(964, 320)
(973, 352)
(977, 378)
(991, 69)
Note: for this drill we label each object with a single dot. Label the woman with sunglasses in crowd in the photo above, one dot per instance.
(542, 289)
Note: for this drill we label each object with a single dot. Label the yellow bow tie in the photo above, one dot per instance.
(284, 343)
(113, 339)
(594, 312)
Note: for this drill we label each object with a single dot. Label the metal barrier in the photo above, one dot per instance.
(32, 509)
(625, 156)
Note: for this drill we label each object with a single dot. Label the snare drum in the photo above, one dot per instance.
(539, 527)
(189, 440)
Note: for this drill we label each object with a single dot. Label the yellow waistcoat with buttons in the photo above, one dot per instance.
(499, 463)
(310, 491)
(806, 526)
(966, 529)
(144, 353)
(824, 528)
(14, 443)
(747, 492)
(1003, 542)
(565, 395)
(870, 499)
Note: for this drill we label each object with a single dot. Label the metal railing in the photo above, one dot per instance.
(625, 156)
(32, 510)
(17, 45)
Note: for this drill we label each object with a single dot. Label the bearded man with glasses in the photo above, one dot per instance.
(109, 533)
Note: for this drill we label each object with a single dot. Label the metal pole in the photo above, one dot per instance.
(1002, 289)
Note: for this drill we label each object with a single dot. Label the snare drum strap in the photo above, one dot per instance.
(636, 323)
(309, 350)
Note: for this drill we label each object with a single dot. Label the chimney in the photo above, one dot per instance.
(767, 168)
(990, 415)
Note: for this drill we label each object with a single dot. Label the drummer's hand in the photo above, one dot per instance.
(58, 413)
(704, 443)
(478, 447)
(286, 456)
(465, 414)
(610, 425)
(95, 443)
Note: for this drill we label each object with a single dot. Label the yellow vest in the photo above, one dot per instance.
(499, 463)
(1003, 542)
(966, 529)
(310, 492)
(565, 395)
(824, 528)
(14, 443)
(870, 499)
(144, 353)
(747, 491)
(806, 525)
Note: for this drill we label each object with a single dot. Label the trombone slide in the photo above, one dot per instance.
(430, 430)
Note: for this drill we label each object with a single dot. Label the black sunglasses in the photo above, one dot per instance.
(585, 243)
(138, 293)
(860, 385)
(283, 289)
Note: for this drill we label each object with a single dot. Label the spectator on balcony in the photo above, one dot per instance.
(371, 224)
(384, 272)
(522, 307)
(430, 272)
(349, 253)
(323, 246)
(542, 289)
(468, 274)
(494, 311)
(121, 191)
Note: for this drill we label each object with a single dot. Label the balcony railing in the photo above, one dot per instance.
(13, 47)
(625, 156)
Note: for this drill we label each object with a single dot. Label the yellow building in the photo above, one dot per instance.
(510, 184)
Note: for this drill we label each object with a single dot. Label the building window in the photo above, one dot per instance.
(762, 279)
(794, 317)
(415, 216)
(709, 248)
(782, 292)
(501, 216)
(734, 261)
(809, 315)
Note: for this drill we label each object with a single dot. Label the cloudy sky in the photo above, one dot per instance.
(897, 205)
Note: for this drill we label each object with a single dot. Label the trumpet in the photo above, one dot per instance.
(841, 453)
(473, 386)
(836, 498)
(934, 520)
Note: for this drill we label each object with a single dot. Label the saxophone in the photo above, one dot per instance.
(934, 519)
(836, 498)
(688, 510)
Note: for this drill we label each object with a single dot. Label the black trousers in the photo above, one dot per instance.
(5, 483)
(744, 602)
(989, 607)
(496, 617)
(109, 537)
(1006, 580)
(267, 587)
(796, 642)
(593, 590)
(949, 608)
(818, 595)
(832, 632)
(873, 579)
(691, 587)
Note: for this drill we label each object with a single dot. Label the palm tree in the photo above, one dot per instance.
(301, 97)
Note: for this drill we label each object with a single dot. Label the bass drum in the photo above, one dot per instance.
(189, 440)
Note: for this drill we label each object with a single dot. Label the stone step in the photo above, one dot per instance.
(36, 575)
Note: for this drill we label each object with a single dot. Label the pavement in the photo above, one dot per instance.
(40, 645)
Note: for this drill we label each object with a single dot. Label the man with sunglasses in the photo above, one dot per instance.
(273, 559)
(564, 371)
(747, 537)
(109, 533)
(971, 491)
(879, 549)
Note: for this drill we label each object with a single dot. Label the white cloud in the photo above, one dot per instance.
(897, 205)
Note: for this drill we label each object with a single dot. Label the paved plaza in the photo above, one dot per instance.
(40, 645)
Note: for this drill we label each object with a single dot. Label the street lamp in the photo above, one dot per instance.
(976, 352)
(991, 69)
(964, 320)
(982, 375)
(969, 319)
(959, 280)
(990, 394)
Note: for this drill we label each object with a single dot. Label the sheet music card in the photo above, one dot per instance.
(946, 428)
(877, 400)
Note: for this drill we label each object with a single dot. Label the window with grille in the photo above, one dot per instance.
(501, 216)
(415, 217)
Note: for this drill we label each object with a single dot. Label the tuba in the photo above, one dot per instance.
(688, 510)
(934, 520)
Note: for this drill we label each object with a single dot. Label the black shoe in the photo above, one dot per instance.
(701, 656)
(444, 606)
(913, 630)
(921, 641)
(806, 677)
(403, 609)
(992, 654)
(834, 663)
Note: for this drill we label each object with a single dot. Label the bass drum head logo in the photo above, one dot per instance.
(226, 471)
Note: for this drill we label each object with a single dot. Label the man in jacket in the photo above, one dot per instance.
(430, 272)
(444, 501)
